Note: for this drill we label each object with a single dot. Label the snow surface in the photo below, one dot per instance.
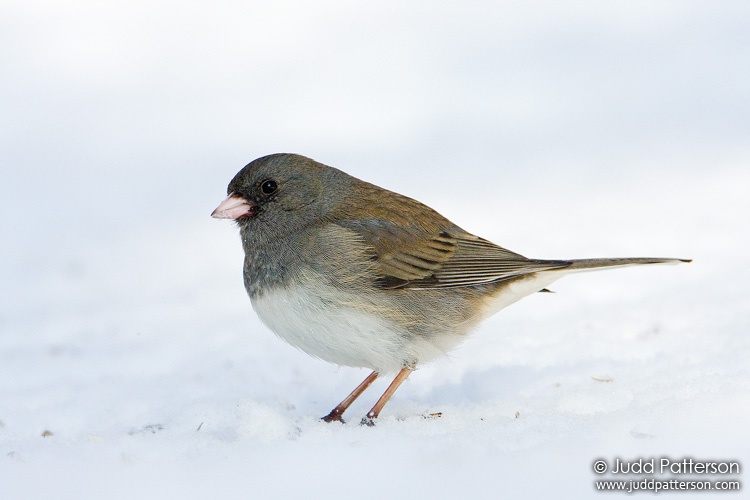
(131, 363)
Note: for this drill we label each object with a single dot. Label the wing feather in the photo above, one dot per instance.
(411, 256)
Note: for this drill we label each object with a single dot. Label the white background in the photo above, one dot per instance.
(556, 129)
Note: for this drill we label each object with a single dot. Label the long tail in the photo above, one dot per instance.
(592, 264)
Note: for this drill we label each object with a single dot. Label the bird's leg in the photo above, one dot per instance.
(369, 419)
(335, 415)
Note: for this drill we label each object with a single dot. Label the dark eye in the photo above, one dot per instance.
(268, 187)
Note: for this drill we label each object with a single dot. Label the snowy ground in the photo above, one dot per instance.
(131, 363)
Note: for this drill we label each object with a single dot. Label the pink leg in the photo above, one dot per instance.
(335, 415)
(373, 414)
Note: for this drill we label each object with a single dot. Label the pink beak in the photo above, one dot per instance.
(233, 208)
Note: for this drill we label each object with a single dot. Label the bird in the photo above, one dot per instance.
(360, 276)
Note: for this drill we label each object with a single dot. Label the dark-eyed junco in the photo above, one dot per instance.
(360, 276)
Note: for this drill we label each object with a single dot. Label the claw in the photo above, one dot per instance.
(333, 417)
(368, 421)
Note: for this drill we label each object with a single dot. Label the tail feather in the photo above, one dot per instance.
(592, 264)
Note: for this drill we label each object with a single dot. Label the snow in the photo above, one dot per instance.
(131, 362)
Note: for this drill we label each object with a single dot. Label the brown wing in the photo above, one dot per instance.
(477, 261)
(415, 247)
(405, 253)
(410, 257)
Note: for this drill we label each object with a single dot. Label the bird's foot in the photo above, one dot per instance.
(368, 421)
(334, 416)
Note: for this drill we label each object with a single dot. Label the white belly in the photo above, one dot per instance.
(323, 326)
(327, 325)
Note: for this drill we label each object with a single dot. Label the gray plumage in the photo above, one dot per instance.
(361, 276)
